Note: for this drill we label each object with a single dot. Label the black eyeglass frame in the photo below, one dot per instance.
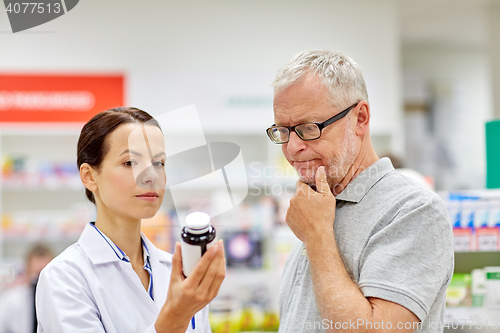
(322, 125)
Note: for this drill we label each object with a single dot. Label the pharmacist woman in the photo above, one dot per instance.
(114, 279)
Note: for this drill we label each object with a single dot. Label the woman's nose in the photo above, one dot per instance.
(148, 177)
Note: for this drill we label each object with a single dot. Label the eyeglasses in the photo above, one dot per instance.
(306, 131)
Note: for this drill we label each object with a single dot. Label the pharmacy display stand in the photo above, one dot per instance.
(473, 297)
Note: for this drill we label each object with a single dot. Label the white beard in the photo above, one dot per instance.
(343, 160)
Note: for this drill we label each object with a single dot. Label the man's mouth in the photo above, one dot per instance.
(305, 164)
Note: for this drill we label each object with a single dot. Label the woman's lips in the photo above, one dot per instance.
(148, 196)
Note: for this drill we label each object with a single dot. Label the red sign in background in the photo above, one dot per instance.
(58, 98)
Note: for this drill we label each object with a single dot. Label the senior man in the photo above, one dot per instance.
(376, 249)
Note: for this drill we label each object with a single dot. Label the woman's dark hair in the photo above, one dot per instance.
(92, 145)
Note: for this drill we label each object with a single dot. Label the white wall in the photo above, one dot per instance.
(214, 38)
(492, 21)
(459, 83)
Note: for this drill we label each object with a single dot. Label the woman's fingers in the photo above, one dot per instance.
(202, 285)
(201, 267)
(213, 290)
(212, 271)
(177, 262)
(186, 296)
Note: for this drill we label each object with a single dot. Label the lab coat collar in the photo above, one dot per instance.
(155, 254)
(96, 247)
(161, 275)
(100, 252)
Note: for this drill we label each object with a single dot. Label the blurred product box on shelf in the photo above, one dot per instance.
(228, 314)
(478, 287)
(259, 215)
(243, 249)
(46, 224)
(458, 291)
(475, 216)
(28, 173)
(481, 288)
(474, 299)
(492, 298)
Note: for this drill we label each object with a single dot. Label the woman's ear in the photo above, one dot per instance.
(87, 175)
(363, 118)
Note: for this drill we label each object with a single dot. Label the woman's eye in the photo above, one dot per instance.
(130, 163)
(159, 164)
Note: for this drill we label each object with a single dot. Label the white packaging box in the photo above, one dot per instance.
(492, 286)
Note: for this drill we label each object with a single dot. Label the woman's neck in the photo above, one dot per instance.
(125, 233)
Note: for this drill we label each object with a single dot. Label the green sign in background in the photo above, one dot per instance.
(493, 275)
(493, 154)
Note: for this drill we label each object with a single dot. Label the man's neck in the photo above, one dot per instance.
(365, 159)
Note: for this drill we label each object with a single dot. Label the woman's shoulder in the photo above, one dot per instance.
(73, 258)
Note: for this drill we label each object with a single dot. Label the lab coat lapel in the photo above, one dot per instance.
(100, 253)
(161, 265)
(95, 246)
(134, 280)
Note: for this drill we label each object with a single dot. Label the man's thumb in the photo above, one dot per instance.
(321, 181)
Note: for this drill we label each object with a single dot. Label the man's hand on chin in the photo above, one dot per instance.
(311, 214)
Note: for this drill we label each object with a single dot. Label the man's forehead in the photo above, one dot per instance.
(292, 118)
(292, 114)
(307, 100)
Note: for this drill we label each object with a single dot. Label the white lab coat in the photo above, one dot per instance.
(87, 288)
(16, 310)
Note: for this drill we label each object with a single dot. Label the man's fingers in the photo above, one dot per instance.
(302, 187)
(321, 181)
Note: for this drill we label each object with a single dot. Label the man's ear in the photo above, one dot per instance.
(87, 175)
(363, 118)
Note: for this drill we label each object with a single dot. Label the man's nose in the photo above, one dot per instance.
(295, 144)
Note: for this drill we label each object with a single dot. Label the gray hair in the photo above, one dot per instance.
(339, 73)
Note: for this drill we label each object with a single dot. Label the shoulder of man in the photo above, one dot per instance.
(404, 197)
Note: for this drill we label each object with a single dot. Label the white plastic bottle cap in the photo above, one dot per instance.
(198, 222)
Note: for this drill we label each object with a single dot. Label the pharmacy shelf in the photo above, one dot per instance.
(44, 188)
(31, 238)
(42, 198)
(465, 262)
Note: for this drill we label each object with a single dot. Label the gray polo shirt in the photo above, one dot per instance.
(396, 242)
